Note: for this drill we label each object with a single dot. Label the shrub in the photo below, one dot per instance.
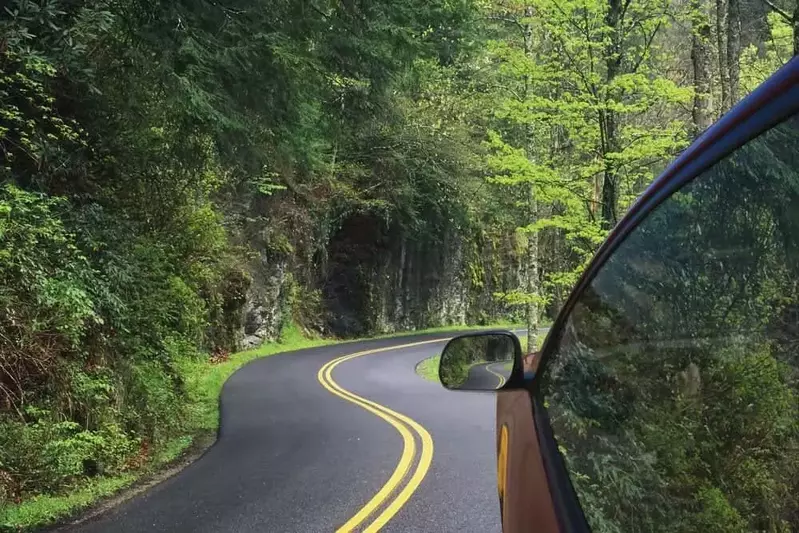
(45, 304)
(47, 455)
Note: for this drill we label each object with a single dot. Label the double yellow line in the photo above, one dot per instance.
(406, 428)
(500, 376)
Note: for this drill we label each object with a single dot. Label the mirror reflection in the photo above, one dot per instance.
(477, 362)
(674, 392)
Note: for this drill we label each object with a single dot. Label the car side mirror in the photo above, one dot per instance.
(484, 361)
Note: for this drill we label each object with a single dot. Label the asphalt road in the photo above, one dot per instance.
(293, 456)
(486, 376)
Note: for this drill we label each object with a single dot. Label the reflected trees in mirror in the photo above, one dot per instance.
(478, 361)
(673, 392)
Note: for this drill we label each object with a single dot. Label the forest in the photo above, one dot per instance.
(185, 179)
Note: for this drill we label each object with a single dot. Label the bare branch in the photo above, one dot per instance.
(648, 45)
(575, 68)
(778, 11)
(570, 20)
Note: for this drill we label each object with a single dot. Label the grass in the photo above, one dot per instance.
(428, 368)
(46, 509)
(204, 382)
(173, 449)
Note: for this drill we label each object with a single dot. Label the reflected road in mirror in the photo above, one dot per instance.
(488, 376)
(478, 361)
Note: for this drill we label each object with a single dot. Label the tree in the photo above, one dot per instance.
(608, 56)
(701, 62)
(791, 16)
(733, 53)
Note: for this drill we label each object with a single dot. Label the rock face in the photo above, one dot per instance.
(373, 278)
(382, 280)
(264, 306)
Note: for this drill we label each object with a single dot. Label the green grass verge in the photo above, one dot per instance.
(46, 509)
(428, 368)
(204, 382)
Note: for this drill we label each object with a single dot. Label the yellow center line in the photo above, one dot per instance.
(401, 423)
(500, 376)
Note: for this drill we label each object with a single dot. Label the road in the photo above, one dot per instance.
(491, 376)
(486, 376)
(297, 452)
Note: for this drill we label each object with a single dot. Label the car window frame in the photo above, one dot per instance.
(773, 102)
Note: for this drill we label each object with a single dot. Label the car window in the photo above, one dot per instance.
(673, 393)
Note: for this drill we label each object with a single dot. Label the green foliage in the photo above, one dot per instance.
(32, 133)
(49, 456)
(716, 513)
(45, 293)
(47, 509)
(757, 65)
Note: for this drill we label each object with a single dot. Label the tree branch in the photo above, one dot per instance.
(647, 46)
(570, 20)
(576, 69)
(509, 20)
(778, 11)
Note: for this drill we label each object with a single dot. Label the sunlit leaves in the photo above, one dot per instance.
(520, 298)
(759, 64)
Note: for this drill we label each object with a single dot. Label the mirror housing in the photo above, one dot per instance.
(482, 361)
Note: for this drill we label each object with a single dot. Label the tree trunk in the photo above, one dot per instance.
(400, 314)
(796, 28)
(610, 197)
(607, 118)
(721, 35)
(596, 197)
(532, 271)
(532, 207)
(733, 48)
(700, 58)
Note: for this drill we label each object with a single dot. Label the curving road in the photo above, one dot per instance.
(333, 438)
(486, 376)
